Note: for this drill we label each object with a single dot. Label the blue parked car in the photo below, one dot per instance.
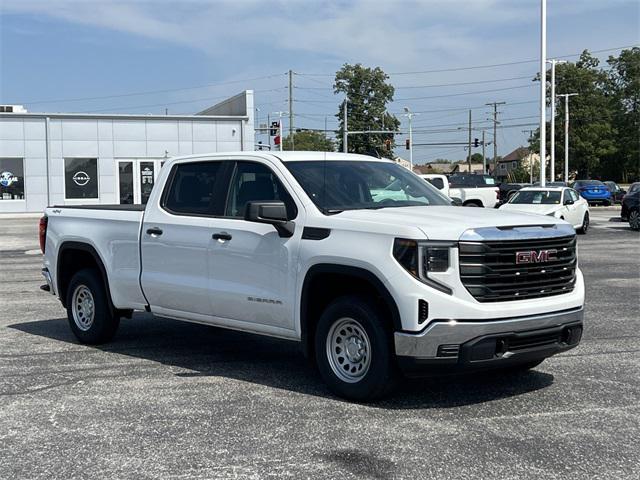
(593, 191)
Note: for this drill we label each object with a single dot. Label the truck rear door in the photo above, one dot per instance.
(176, 238)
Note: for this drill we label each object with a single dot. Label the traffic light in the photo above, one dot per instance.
(407, 144)
(273, 131)
(476, 142)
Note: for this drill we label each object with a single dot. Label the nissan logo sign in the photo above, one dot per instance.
(81, 178)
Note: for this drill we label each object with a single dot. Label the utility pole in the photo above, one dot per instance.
(469, 157)
(291, 108)
(484, 158)
(280, 130)
(495, 131)
(543, 92)
(269, 130)
(345, 127)
(566, 133)
(530, 132)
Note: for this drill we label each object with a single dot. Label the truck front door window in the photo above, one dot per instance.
(255, 182)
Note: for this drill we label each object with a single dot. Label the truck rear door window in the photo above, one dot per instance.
(192, 189)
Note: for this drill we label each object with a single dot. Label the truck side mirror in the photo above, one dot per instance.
(273, 212)
(456, 202)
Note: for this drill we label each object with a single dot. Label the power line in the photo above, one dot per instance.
(477, 82)
(150, 92)
(205, 99)
(475, 67)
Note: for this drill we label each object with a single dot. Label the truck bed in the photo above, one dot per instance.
(106, 206)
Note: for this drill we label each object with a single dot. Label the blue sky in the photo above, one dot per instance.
(54, 51)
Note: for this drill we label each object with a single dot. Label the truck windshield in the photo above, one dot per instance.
(338, 185)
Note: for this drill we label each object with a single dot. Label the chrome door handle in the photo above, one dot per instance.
(221, 236)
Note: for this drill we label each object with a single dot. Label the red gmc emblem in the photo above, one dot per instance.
(532, 256)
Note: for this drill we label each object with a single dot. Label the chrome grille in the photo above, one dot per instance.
(489, 271)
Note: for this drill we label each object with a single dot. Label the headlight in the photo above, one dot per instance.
(422, 258)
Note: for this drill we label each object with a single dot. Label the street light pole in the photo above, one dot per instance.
(543, 91)
(344, 132)
(409, 115)
(552, 166)
(566, 133)
(469, 157)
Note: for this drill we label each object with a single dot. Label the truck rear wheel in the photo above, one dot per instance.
(353, 350)
(89, 314)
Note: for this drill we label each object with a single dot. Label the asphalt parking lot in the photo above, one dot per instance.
(177, 400)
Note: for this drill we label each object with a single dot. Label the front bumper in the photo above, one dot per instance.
(467, 345)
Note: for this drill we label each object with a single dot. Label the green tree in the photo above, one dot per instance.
(591, 131)
(476, 158)
(624, 86)
(368, 94)
(308, 140)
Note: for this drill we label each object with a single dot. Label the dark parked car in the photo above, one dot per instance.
(593, 191)
(616, 192)
(506, 190)
(631, 206)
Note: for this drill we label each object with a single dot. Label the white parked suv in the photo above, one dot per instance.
(365, 264)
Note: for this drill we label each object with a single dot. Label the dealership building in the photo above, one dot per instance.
(73, 158)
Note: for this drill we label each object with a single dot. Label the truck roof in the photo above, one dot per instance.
(287, 156)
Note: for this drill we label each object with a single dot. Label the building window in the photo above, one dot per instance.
(503, 166)
(514, 164)
(11, 179)
(80, 178)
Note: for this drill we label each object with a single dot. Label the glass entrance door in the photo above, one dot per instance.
(147, 178)
(136, 179)
(125, 183)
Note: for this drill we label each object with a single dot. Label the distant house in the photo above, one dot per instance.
(402, 162)
(520, 157)
(433, 168)
(464, 168)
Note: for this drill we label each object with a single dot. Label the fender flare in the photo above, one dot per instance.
(90, 249)
(347, 270)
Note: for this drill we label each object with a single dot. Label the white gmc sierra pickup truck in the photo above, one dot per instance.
(364, 263)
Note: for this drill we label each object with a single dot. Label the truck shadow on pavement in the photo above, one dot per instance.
(194, 350)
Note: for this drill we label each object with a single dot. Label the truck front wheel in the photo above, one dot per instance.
(88, 311)
(353, 350)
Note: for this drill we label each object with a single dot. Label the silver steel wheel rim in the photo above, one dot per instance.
(348, 350)
(83, 308)
(634, 220)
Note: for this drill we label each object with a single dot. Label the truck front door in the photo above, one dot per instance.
(252, 269)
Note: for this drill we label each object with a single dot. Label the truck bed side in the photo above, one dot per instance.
(110, 233)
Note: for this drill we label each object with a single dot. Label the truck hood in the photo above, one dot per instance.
(444, 222)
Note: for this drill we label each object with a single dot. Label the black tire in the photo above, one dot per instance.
(471, 204)
(606, 203)
(585, 224)
(89, 313)
(634, 219)
(379, 376)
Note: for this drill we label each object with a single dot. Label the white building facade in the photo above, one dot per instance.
(68, 159)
